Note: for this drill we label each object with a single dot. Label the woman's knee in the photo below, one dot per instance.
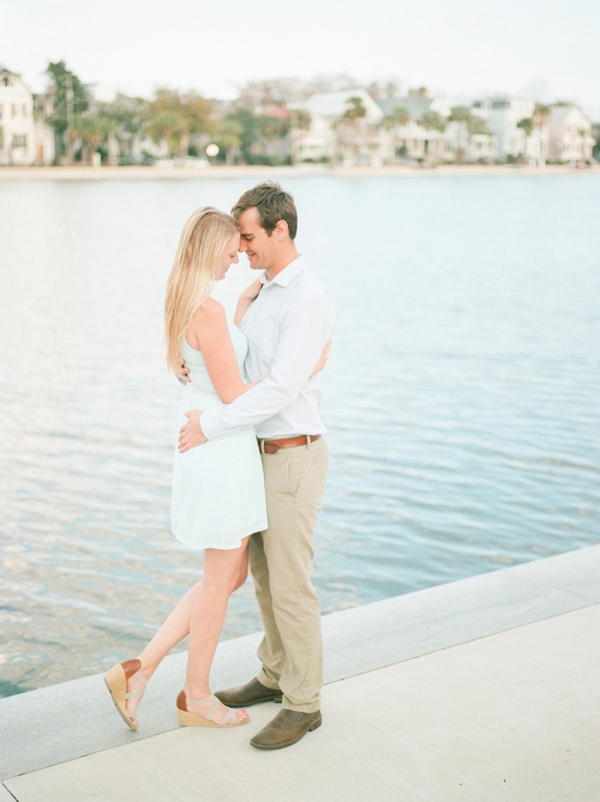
(241, 577)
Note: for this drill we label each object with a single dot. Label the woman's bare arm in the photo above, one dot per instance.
(245, 299)
(210, 335)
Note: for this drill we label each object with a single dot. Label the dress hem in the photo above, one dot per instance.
(235, 545)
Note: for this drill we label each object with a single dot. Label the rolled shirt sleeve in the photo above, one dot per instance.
(304, 331)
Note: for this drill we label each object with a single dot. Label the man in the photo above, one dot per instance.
(287, 326)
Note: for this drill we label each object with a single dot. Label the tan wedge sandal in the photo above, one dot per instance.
(188, 719)
(116, 682)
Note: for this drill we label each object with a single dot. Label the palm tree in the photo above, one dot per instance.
(395, 119)
(462, 115)
(526, 125)
(432, 121)
(87, 128)
(541, 118)
(355, 111)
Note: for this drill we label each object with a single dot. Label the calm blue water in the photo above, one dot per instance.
(462, 396)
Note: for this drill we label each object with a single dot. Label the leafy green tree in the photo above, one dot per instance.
(248, 134)
(355, 110)
(175, 116)
(87, 128)
(526, 124)
(477, 125)
(121, 121)
(433, 121)
(398, 116)
(68, 99)
(172, 127)
(228, 134)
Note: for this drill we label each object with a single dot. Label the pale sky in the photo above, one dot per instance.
(455, 47)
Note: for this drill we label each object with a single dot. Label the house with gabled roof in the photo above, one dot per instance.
(25, 137)
(337, 137)
(570, 138)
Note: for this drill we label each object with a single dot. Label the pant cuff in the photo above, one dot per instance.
(313, 707)
(268, 683)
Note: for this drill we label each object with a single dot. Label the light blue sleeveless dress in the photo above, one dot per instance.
(218, 487)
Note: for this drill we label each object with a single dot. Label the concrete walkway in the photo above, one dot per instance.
(491, 693)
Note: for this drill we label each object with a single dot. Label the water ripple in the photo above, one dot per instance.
(461, 396)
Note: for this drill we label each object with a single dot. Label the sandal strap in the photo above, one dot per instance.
(205, 701)
(137, 694)
(228, 718)
(213, 709)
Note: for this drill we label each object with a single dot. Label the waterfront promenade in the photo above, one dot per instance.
(481, 689)
(260, 172)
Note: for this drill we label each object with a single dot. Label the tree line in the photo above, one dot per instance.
(246, 130)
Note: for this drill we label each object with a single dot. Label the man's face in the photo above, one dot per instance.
(260, 248)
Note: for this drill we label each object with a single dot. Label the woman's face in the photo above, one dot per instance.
(230, 255)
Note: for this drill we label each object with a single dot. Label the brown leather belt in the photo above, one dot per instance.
(273, 446)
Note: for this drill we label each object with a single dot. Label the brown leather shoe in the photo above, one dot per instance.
(252, 693)
(286, 729)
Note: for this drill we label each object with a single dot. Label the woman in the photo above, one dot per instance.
(218, 492)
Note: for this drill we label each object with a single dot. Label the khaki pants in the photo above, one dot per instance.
(281, 557)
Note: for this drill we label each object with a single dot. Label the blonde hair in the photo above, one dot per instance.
(195, 270)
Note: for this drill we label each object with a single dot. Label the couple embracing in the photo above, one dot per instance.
(255, 380)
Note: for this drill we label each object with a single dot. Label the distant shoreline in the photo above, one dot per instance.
(299, 171)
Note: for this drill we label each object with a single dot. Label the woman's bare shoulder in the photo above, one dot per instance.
(209, 309)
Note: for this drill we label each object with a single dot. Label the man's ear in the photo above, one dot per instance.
(281, 230)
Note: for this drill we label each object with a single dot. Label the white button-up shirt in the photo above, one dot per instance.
(287, 327)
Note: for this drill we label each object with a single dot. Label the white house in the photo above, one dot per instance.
(25, 137)
(413, 139)
(337, 138)
(502, 115)
(462, 145)
(570, 135)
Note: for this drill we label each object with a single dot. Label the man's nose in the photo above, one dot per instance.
(243, 247)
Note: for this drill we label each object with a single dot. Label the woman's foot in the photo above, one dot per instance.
(126, 684)
(136, 685)
(208, 712)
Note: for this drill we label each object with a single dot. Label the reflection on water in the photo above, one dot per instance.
(461, 396)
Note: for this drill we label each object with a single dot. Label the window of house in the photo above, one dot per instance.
(19, 141)
(14, 110)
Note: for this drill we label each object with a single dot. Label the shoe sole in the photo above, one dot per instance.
(187, 719)
(116, 683)
(312, 728)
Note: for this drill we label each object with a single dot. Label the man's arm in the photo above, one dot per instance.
(304, 332)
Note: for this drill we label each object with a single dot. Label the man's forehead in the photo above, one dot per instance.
(249, 222)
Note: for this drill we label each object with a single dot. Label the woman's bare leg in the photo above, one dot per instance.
(177, 625)
(223, 572)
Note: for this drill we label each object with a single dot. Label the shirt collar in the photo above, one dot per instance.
(285, 277)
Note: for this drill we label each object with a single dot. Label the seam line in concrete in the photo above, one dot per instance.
(461, 643)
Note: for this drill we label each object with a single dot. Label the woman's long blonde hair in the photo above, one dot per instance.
(195, 270)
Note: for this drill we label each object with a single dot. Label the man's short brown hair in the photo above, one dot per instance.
(273, 204)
